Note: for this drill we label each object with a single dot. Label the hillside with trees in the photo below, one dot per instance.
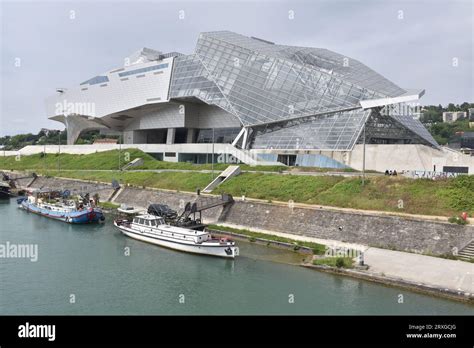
(47, 137)
(445, 133)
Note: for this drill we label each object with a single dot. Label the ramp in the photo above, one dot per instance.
(229, 172)
(135, 163)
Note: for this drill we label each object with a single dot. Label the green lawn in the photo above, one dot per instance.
(279, 187)
(109, 160)
(396, 194)
(186, 181)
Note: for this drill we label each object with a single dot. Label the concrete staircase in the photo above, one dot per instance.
(467, 252)
(229, 172)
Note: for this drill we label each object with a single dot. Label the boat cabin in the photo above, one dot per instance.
(156, 225)
(148, 220)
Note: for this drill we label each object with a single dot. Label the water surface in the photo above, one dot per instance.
(89, 262)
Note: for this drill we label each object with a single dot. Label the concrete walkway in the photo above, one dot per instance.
(427, 270)
(329, 242)
(431, 271)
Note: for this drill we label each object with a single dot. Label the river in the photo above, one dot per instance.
(87, 270)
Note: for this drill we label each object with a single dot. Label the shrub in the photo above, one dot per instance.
(339, 262)
(457, 220)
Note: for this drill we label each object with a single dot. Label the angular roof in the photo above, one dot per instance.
(263, 83)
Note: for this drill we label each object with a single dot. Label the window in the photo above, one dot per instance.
(95, 80)
(143, 70)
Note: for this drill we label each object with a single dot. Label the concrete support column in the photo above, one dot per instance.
(190, 135)
(244, 141)
(170, 136)
(128, 137)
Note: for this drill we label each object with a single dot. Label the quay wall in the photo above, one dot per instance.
(393, 232)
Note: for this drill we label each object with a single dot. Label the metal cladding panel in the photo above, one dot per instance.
(338, 132)
(162, 116)
(213, 117)
(127, 88)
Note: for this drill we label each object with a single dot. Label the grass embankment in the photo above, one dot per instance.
(109, 160)
(180, 181)
(394, 194)
(108, 205)
(339, 262)
(318, 249)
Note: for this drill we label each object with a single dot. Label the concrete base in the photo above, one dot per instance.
(407, 157)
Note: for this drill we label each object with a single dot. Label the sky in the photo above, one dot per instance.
(425, 44)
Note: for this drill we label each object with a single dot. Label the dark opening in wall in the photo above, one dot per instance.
(180, 135)
(289, 160)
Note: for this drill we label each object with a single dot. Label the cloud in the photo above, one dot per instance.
(58, 51)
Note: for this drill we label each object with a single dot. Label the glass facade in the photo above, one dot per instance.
(403, 114)
(338, 131)
(289, 97)
(221, 135)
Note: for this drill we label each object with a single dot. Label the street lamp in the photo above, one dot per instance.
(363, 161)
(59, 151)
(120, 150)
(212, 153)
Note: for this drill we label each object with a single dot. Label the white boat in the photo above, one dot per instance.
(131, 210)
(153, 229)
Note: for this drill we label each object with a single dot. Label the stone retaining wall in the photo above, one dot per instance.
(380, 231)
(103, 190)
(176, 200)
